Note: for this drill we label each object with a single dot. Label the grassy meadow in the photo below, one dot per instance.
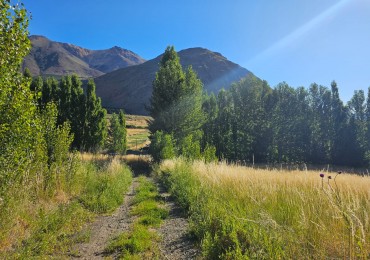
(238, 212)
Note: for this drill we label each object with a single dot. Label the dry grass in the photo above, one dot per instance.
(138, 121)
(137, 138)
(129, 158)
(303, 215)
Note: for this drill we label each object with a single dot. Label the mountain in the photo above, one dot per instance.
(57, 59)
(131, 88)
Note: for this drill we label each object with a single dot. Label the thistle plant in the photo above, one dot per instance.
(336, 186)
(322, 180)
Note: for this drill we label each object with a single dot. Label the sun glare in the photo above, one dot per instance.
(299, 32)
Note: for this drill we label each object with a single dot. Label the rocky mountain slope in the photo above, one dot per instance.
(50, 58)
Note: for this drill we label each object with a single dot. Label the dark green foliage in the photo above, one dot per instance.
(118, 140)
(253, 123)
(95, 132)
(176, 105)
(81, 109)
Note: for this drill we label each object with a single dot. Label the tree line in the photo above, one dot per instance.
(253, 122)
(82, 109)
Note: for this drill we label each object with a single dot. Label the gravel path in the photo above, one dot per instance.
(176, 243)
(105, 228)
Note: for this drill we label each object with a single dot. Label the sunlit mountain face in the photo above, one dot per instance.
(50, 58)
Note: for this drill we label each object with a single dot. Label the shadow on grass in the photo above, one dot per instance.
(140, 165)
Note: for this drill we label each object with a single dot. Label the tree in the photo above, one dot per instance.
(20, 138)
(162, 146)
(357, 129)
(78, 115)
(122, 121)
(338, 124)
(95, 125)
(118, 142)
(176, 102)
(367, 153)
(167, 89)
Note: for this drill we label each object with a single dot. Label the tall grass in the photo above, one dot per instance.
(46, 223)
(103, 191)
(239, 212)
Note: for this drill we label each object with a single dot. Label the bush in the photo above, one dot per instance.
(161, 146)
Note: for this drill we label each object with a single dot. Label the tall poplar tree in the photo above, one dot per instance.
(95, 125)
(20, 126)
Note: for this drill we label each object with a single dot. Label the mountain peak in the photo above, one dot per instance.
(58, 59)
(131, 88)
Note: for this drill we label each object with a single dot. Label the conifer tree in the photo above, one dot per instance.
(176, 103)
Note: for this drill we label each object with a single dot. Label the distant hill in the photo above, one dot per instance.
(131, 87)
(51, 58)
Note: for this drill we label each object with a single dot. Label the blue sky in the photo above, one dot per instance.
(296, 41)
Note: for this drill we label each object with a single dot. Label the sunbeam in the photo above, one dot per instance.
(298, 33)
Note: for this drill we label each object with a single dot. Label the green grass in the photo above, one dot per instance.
(135, 244)
(242, 213)
(55, 232)
(137, 139)
(104, 189)
(48, 227)
(141, 241)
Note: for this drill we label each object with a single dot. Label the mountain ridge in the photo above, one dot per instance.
(53, 58)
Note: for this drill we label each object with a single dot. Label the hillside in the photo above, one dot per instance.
(130, 88)
(57, 59)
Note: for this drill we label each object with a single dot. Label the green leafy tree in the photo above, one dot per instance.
(209, 154)
(162, 146)
(357, 129)
(122, 121)
(58, 140)
(20, 138)
(190, 147)
(78, 114)
(338, 123)
(118, 143)
(95, 125)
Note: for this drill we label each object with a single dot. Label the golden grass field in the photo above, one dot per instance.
(137, 133)
(284, 214)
